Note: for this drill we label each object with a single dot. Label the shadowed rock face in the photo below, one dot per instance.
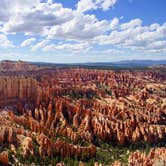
(66, 111)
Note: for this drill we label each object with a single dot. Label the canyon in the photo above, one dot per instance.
(70, 112)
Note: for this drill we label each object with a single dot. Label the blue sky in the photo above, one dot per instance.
(69, 31)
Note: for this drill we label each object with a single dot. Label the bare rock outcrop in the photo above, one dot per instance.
(154, 158)
(67, 112)
(4, 159)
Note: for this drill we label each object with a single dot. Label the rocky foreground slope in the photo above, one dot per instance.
(71, 112)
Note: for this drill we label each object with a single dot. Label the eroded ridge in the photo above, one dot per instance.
(68, 112)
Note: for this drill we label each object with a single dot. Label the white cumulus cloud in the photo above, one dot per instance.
(114, 23)
(85, 5)
(76, 47)
(5, 42)
(40, 45)
(49, 21)
(28, 42)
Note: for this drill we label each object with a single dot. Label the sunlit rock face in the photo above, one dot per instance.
(155, 157)
(68, 112)
(19, 88)
(4, 159)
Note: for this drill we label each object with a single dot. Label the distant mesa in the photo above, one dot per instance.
(8, 65)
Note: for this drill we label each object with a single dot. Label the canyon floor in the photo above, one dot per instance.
(82, 117)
